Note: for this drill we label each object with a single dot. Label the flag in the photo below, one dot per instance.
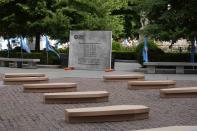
(145, 51)
(49, 47)
(192, 51)
(24, 46)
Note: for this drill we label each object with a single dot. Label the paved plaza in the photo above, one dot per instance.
(26, 112)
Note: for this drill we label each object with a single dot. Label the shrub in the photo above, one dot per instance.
(65, 51)
(154, 52)
(116, 45)
(175, 57)
(52, 58)
(123, 55)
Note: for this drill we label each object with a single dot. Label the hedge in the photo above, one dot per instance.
(52, 58)
(154, 57)
(154, 52)
(174, 57)
(123, 55)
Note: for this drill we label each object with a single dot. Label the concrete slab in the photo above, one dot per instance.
(173, 128)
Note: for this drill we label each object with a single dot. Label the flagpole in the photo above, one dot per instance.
(8, 48)
(192, 51)
(21, 51)
(47, 57)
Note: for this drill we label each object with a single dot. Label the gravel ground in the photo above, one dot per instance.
(26, 112)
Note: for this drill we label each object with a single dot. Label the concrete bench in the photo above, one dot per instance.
(172, 128)
(184, 92)
(107, 113)
(76, 97)
(18, 62)
(138, 85)
(179, 67)
(23, 80)
(12, 75)
(50, 87)
(123, 77)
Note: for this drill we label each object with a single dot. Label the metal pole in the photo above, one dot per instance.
(8, 48)
(47, 57)
(192, 52)
(21, 52)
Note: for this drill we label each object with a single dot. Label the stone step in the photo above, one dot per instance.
(172, 128)
(184, 92)
(11, 75)
(23, 80)
(50, 87)
(76, 97)
(158, 84)
(107, 113)
(123, 77)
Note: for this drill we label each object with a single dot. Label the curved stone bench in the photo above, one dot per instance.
(138, 85)
(172, 128)
(11, 75)
(186, 92)
(123, 77)
(23, 80)
(107, 113)
(76, 97)
(50, 87)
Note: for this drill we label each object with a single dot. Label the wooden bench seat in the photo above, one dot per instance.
(50, 87)
(76, 97)
(123, 77)
(184, 92)
(107, 113)
(137, 85)
(172, 128)
(23, 80)
(11, 75)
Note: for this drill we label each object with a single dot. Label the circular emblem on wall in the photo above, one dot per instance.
(76, 36)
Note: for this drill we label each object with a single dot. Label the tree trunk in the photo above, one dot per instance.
(37, 45)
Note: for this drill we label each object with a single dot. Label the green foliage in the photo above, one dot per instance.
(170, 20)
(117, 46)
(52, 59)
(153, 52)
(57, 17)
(175, 57)
(124, 55)
(131, 17)
(65, 51)
(95, 15)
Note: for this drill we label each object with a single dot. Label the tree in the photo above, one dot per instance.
(85, 15)
(26, 18)
(171, 19)
(131, 19)
(12, 20)
(57, 17)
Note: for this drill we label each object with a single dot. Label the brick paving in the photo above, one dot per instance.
(26, 112)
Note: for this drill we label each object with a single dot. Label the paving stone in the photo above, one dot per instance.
(28, 112)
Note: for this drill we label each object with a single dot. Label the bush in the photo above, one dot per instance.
(116, 45)
(52, 58)
(65, 51)
(175, 57)
(123, 55)
(154, 52)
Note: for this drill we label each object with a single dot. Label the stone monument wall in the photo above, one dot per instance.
(90, 50)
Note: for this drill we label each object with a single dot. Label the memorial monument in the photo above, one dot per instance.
(90, 50)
